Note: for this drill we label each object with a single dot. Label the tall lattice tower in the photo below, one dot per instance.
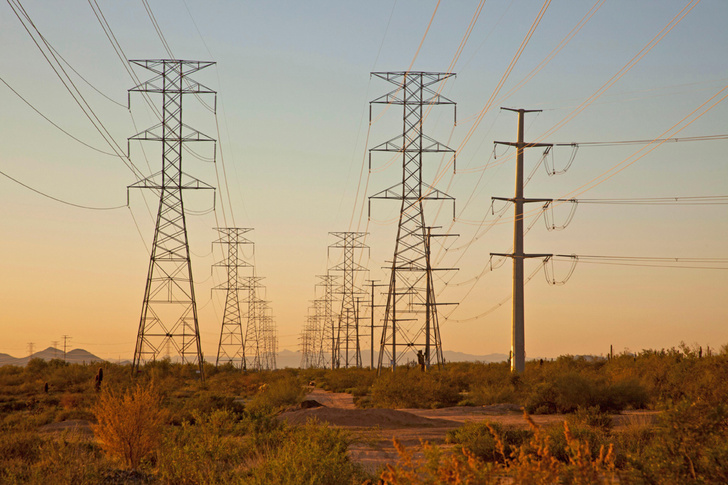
(169, 310)
(231, 348)
(268, 337)
(347, 334)
(410, 321)
(253, 343)
(324, 308)
(310, 341)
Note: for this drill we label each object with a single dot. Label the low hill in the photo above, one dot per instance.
(75, 356)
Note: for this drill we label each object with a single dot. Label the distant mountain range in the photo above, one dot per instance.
(285, 358)
(290, 358)
(75, 356)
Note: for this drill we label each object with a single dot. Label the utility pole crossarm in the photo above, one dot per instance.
(522, 199)
(523, 145)
(511, 255)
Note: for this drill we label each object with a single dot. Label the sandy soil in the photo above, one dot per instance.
(375, 429)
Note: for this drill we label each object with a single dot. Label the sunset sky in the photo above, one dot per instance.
(293, 106)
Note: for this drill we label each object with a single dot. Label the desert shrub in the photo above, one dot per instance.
(129, 426)
(209, 451)
(536, 462)
(23, 445)
(624, 394)
(530, 463)
(344, 380)
(264, 429)
(312, 454)
(565, 393)
(30, 459)
(590, 438)
(277, 394)
(436, 467)
(200, 403)
(36, 366)
(690, 445)
(411, 388)
(593, 416)
(479, 439)
(493, 394)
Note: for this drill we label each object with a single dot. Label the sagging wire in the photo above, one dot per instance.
(549, 219)
(551, 171)
(448, 318)
(551, 278)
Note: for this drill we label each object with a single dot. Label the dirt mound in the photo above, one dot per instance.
(332, 399)
(384, 418)
(310, 403)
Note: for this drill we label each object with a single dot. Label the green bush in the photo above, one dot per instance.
(690, 445)
(277, 394)
(411, 388)
(345, 380)
(479, 440)
(212, 450)
(568, 392)
(312, 454)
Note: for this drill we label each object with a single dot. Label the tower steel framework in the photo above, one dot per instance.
(324, 307)
(169, 309)
(231, 348)
(411, 291)
(347, 332)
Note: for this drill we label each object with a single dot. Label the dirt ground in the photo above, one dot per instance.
(376, 428)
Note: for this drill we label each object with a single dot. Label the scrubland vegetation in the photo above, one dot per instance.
(163, 427)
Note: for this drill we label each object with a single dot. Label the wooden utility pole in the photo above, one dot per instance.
(518, 352)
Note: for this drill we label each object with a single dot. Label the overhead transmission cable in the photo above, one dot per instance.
(55, 124)
(417, 52)
(68, 83)
(39, 192)
(616, 77)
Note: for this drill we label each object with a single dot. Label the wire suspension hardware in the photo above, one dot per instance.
(169, 310)
(518, 351)
(231, 349)
(347, 349)
(406, 331)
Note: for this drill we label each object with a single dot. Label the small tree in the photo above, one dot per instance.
(129, 425)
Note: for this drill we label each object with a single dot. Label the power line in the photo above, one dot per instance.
(704, 200)
(80, 206)
(647, 141)
(17, 8)
(53, 123)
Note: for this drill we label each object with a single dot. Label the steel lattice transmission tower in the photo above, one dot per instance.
(411, 292)
(347, 331)
(231, 348)
(324, 308)
(253, 345)
(268, 337)
(169, 310)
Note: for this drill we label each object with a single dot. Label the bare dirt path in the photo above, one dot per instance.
(332, 399)
(375, 429)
